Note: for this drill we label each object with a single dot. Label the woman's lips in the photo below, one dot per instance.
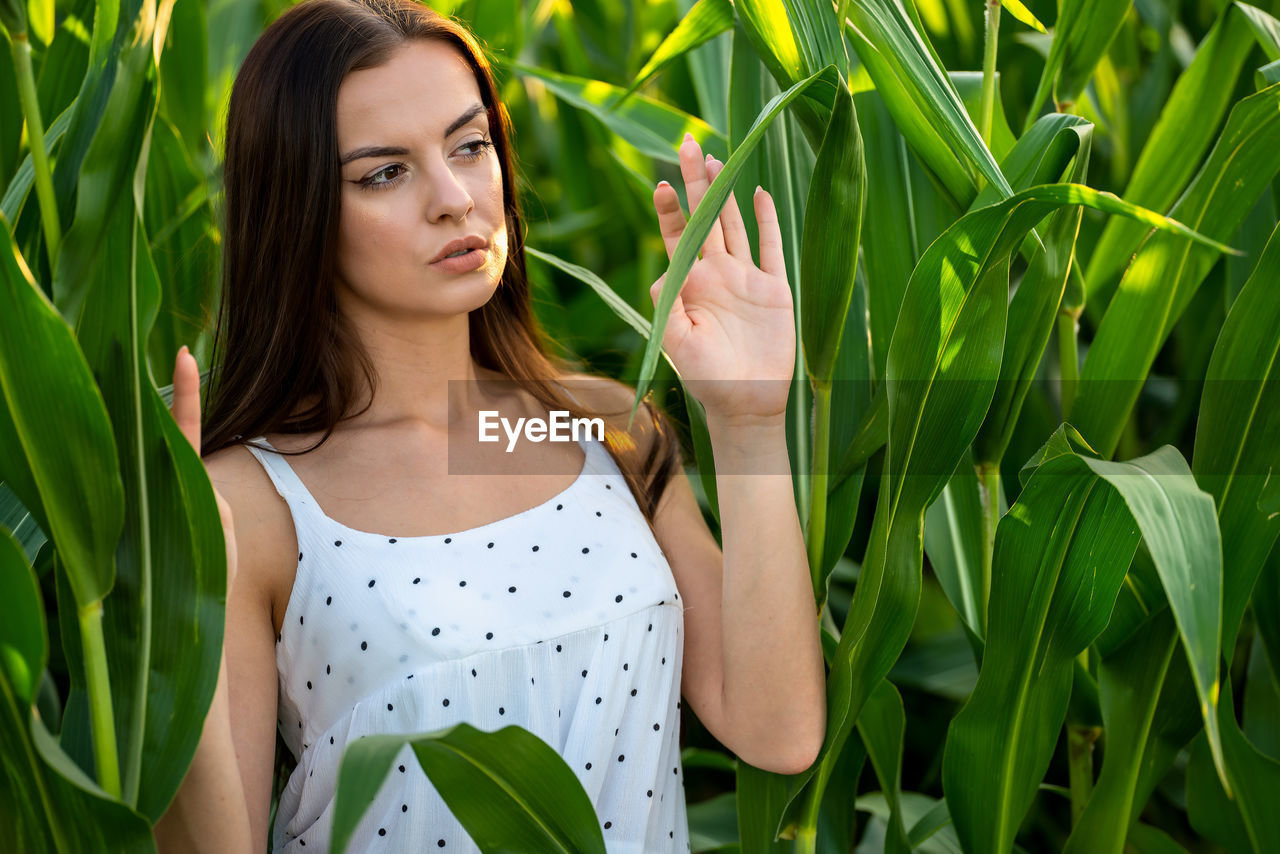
(472, 260)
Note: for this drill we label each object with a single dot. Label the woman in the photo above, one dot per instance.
(383, 586)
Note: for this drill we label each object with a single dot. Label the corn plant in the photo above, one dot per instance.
(1032, 419)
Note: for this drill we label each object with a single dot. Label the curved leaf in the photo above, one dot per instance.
(1167, 271)
(653, 127)
(60, 421)
(1134, 681)
(508, 788)
(1187, 123)
(1077, 520)
(47, 804)
(1249, 819)
(1236, 450)
(829, 246)
(942, 368)
(706, 20)
(921, 97)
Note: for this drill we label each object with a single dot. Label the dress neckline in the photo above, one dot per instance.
(586, 443)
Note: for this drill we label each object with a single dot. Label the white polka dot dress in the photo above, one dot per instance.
(564, 619)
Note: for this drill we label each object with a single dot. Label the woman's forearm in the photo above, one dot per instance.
(774, 679)
(210, 812)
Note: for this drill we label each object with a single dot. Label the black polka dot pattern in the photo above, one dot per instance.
(576, 585)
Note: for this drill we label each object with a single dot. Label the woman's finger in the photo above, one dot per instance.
(771, 260)
(735, 231)
(693, 167)
(186, 396)
(671, 221)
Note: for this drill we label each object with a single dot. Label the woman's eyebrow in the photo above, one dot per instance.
(389, 150)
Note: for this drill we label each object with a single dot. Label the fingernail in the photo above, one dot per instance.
(663, 184)
(182, 350)
(688, 137)
(758, 188)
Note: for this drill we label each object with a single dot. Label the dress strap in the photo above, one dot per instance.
(282, 475)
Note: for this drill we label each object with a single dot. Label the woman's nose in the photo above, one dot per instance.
(446, 194)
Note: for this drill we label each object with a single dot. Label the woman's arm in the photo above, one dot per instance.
(224, 803)
(753, 666)
(210, 812)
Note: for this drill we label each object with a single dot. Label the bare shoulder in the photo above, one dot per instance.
(266, 542)
(614, 396)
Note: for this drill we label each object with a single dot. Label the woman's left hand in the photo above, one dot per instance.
(731, 332)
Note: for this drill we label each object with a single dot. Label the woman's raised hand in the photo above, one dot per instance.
(186, 411)
(731, 331)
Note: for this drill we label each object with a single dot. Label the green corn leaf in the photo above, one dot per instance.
(1130, 684)
(1189, 119)
(1261, 706)
(832, 232)
(942, 370)
(921, 99)
(1265, 27)
(23, 644)
(59, 420)
(608, 295)
(968, 85)
(713, 823)
(178, 219)
(1034, 305)
(870, 436)
(15, 195)
(1083, 31)
(910, 212)
(1023, 14)
(1063, 546)
(508, 788)
(1062, 552)
(851, 402)
(881, 727)
(795, 41)
(1248, 819)
(654, 128)
(164, 618)
(1232, 460)
(500, 24)
(50, 805)
(40, 19)
(769, 30)
(953, 542)
(184, 79)
(106, 172)
(931, 831)
(1167, 271)
(706, 20)
(1236, 450)
(1266, 608)
(13, 15)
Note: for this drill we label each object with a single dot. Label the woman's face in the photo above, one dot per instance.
(431, 182)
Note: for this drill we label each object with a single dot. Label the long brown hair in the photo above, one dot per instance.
(284, 359)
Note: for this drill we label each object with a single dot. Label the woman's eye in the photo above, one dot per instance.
(479, 148)
(370, 184)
